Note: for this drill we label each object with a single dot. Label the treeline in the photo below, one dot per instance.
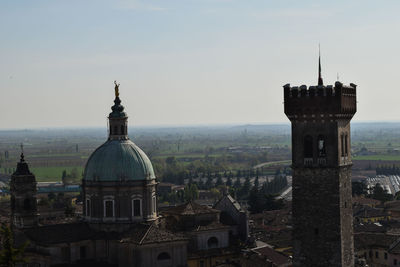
(264, 198)
(387, 170)
(241, 191)
(377, 192)
(173, 171)
(8, 170)
(72, 177)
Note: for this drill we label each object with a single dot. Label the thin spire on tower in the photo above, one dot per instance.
(320, 81)
(22, 153)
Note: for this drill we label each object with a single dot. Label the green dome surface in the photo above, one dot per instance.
(117, 160)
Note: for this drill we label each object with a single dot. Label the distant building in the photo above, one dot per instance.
(367, 214)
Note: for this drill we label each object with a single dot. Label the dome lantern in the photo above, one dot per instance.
(118, 120)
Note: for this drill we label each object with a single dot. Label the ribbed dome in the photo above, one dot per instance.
(118, 160)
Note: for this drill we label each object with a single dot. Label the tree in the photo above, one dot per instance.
(237, 184)
(219, 181)
(209, 182)
(229, 181)
(9, 255)
(381, 194)
(201, 184)
(256, 201)
(191, 192)
(63, 177)
(244, 191)
(256, 182)
(74, 173)
(358, 188)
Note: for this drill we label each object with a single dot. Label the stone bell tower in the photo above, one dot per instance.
(321, 162)
(23, 196)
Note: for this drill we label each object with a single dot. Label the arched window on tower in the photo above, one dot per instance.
(342, 144)
(308, 147)
(111, 130)
(346, 143)
(27, 204)
(308, 150)
(115, 130)
(321, 146)
(122, 129)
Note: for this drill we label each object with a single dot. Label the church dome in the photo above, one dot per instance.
(118, 160)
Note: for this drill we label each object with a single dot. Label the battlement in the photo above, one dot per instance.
(339, 100)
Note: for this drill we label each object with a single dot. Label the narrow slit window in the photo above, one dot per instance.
(87, 207)
(308, 147)
(346, 145)
(342, 144)
(321, 146)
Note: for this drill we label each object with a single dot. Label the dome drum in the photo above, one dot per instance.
(113, 202)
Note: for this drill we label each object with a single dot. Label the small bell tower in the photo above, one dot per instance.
(23, 196)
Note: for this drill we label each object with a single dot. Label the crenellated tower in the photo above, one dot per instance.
(23, 196)
(321, 162)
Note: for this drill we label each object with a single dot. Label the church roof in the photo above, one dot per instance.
(140, 233)
(151, 233)
(118, 160)
(191, 208)
(60, 233)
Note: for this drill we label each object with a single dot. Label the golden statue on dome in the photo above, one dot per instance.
(116, 89)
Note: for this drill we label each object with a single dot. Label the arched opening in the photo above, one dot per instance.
(27, 204)
(109, 208)
(212, 242)
(136, 207)
(346, 145)
(115, 130)
(163, 256)
(321, 146)
(308, 147)
(110, 130)
(122, 129)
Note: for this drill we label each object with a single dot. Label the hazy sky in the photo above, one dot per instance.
(190, 61)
